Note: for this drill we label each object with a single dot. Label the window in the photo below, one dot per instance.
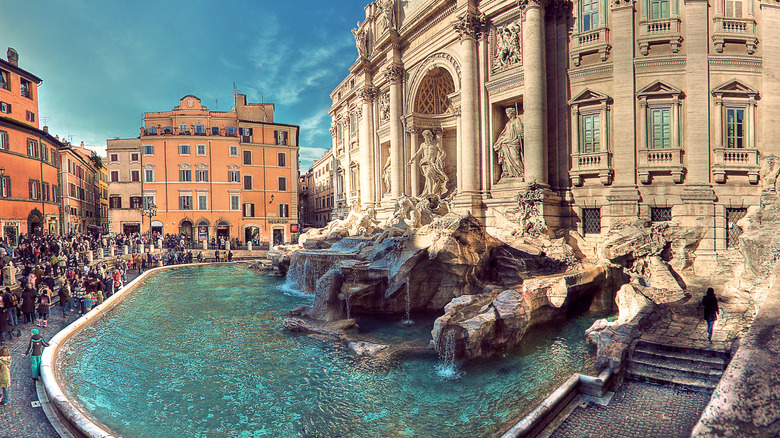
(203, 202)
(234, 202)
(152, 130)
(659, 9)
(148, 149)
(136, 201)
(135, 175)
(5, 186)
(44, 152)
(184, 149)
(185, 202)
(35, 189)
(284, 210)
(591, 220)
(201, 149)
(201, 175)
(247, 182)
(234, 176)
(26, 89)
(282, 184)
(246, 135)
(185, 175)
(183, 128)
(281, 137)
(149, 200)
(215, 130)
(660, 214)
(5, 108)
(114, 176)
(55, 194)
(590, 15)
(247, 157)
(249, 209)
(735, 128)
(5, 80)
(733, 231)
(233, 151)
(45, 191)
(30, 116)
(114, 158)
(733, 9)
(32, 148)
(4, 140)
(149, 176)
(135, 157)
(72, 190)
(200, 130)
(114, 202)
(281, 159)
(231, 131)
(168, 130)
(591, 138)
(660, 128)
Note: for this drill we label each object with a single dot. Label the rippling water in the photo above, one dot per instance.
(200, 352)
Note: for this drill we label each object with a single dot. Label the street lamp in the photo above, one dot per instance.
(149, 210)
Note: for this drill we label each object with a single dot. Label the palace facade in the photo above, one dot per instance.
(651, 110)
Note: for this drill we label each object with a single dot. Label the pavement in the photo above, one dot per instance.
(23, 417)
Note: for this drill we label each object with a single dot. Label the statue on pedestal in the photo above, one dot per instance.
(388, 10)
(361, 41)
(509, 147)
(431, 156)
(386, 176)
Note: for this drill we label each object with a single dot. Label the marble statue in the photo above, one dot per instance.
(431, 161)
(509, 147)
(361, 40)
(508, 45)
(770, 169)
(404, 221)
(388, 12)
(386, 176)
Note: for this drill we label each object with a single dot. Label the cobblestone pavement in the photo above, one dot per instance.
(19, 419)
(638, 410)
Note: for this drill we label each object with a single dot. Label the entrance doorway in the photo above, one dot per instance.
(185, 229)
(278, 236)
(157, 227)
(35, 223)
(131, 228)
(223, 230)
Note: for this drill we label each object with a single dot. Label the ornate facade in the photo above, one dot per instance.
(620, 110)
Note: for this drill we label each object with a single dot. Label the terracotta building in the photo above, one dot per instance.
(321, 200)
(123, 166)
(655, 110)
(29, 180)
(216, 174)
(79, 178)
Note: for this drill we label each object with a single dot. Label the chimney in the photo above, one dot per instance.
(46, 129)
(82, 145)
(13, 56)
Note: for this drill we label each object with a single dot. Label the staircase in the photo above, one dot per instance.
(686, 366)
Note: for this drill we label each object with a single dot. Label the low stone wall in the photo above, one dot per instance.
(746, 402)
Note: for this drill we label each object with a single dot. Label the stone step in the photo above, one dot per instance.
(674, 369)
(687, 351)
(654, 376)
(681, 359)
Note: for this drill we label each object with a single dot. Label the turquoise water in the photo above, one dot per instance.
(201, 352)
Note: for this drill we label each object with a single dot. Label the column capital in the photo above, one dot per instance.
(525, 5)
(470, 25)
(367, 94)
(333, 130)
(394, 73)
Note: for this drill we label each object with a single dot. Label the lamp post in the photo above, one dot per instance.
(149, 210)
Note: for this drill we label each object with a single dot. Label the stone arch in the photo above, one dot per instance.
(442, 60)
(432, 96)
(35, 222)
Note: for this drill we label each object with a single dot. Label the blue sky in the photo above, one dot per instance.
(105, 63)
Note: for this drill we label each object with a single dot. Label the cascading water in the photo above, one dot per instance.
(447, 368)
(349, 292)
(407, 321)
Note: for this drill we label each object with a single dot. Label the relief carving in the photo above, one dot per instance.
(507, 46)
(384, 107)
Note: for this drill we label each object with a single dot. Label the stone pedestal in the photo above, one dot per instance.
(9, 274)
(141, 248)
(204, 245)
(125, 250)
(111, 251)
(160, 243)
(249, 246)
(159, 263)
(151, 247)
(90, 257)
(99, 253)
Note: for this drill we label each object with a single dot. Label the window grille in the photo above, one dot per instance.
(660, 214)
(591, 220)
(733, 231)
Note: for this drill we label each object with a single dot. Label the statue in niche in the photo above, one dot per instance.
(386, 176)
(509, 147)
(388, 12)
(361, 40)
(508, 45)
(384, 107)
(431, 161)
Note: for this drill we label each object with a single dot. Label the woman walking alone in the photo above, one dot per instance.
(5, 374)
(711, 311)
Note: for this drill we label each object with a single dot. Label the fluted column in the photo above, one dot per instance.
(415, 168)
(535, 97)
(366, 153)
(394, 74)
(469, 26)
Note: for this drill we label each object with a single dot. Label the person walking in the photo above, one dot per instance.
(5, 374)
(10, 300)
(5, 327)
(35, 350)
(29, 298)
(711, 311)
(65, 303)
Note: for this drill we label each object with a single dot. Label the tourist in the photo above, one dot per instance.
(80, 294)
(64, 294)
(5, 374)
(43, 310)
(89, 302)
(216, 255)
(29, 298)
(5, 327)
(35, 350)
(200, 257)
(230, 256)
(711, 311)
(9, 306)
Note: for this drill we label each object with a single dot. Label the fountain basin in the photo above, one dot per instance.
(181, 354)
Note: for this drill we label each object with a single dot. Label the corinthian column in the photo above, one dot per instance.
(366, 153)
(535, 97)
(394, 74)
(469, 27)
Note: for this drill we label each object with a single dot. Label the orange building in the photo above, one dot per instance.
(29, 158)
(220, 174)
(80, 179)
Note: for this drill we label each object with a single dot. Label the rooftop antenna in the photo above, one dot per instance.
(234, 91)
(216, 104)
(45, 120)
(260, 67)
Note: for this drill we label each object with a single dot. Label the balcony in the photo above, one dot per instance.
(591, 41)
(665, 30)
(731, 160)
(660, 161)
(735, 30)
(591, 164)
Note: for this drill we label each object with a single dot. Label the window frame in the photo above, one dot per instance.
(147, 148)
(198, 150)
(185, 175)
(281, 159)
(135, 175)
(244, 182)
(147, 174)
(730, 138)
(183, 148)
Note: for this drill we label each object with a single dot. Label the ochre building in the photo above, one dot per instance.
(620, 110)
